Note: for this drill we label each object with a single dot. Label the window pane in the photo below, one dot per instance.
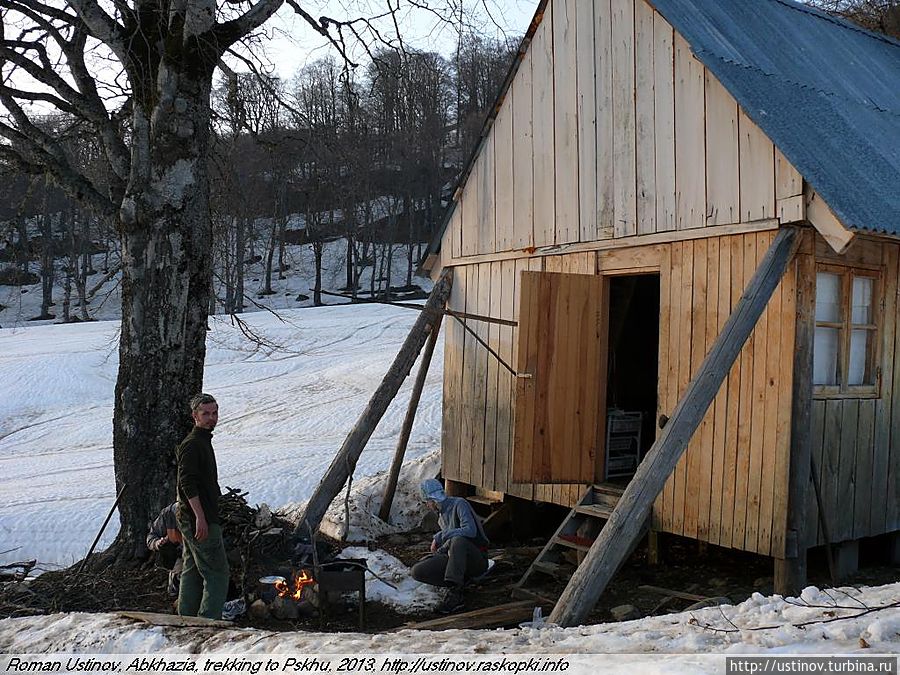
(860, 373)
(861, 311)
(828, 297)
(825, 356)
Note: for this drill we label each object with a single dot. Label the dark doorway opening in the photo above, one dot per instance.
(632, 367)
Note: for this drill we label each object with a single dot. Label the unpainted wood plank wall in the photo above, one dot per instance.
(478, 417)
(856, 441)
(730, 486)
(726, 486)
(612, 128)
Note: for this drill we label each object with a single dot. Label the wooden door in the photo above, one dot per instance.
(560, 390)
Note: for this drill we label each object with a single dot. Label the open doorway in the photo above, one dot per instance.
(632, 371)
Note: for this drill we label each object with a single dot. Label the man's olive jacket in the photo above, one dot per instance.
(197, 474)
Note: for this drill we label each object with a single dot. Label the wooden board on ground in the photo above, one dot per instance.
(490, 617)
(156, 619)
(693, 597)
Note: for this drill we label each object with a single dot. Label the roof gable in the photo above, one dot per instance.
(826, 92)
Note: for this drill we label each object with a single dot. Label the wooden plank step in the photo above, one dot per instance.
(693, 597)
(573, 541)
(609, 489)
(602, 511)
(510, 614)
(607, 494)
(553, 569)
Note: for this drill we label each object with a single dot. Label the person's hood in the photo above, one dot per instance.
(432, 489)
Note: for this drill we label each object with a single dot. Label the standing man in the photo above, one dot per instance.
(204, 575)
(458, 551)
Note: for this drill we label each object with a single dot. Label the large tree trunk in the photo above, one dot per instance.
(167, 270)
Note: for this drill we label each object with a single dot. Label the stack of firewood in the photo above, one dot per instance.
(255, 538)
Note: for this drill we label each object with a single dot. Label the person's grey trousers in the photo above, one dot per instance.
(462, 561)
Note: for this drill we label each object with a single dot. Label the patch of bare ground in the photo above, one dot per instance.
(686, 567)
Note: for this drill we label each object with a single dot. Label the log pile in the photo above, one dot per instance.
(255, 539)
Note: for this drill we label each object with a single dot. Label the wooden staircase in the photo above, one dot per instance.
(589, 515)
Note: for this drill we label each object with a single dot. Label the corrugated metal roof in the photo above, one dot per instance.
(825, 91)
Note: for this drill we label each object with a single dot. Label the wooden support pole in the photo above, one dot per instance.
(112, 510)
(653, 553)
(391, 486)
(344, 461)
(626, 522)
(790, 569)
(823, 521)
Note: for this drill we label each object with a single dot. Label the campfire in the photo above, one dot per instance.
(301, 581)
(312, 592)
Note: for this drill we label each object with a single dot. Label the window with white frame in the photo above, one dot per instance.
(846, 338)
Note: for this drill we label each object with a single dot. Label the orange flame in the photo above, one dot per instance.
(300, 580)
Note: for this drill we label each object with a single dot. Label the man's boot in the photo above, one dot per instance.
(453, 602)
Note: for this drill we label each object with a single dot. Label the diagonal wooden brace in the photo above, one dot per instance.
(344, 461)
(624, 526)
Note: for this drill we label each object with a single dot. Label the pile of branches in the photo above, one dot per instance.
(255, 540)
(115, 588)
(16, 571)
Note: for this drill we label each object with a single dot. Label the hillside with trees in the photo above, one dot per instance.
(366, 156)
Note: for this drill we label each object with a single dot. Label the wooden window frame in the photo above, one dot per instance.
(842, 390)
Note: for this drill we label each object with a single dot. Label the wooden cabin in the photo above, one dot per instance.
(635, 170)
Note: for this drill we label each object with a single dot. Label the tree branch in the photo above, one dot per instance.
(830, 618)
(46, 97)
(102, 26)
(36, 153)
(84, 102)
(229, 32)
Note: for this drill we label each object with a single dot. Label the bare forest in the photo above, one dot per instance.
(367, 157)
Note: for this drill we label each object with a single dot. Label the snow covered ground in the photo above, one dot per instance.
(285, 410)
(685, 633)
(284, 413)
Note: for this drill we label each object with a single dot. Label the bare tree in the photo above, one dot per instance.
(882, 16)
(480, 66)
(136, 77)
(138, 74)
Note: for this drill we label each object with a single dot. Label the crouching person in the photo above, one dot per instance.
(458, 550)
(164, 539)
